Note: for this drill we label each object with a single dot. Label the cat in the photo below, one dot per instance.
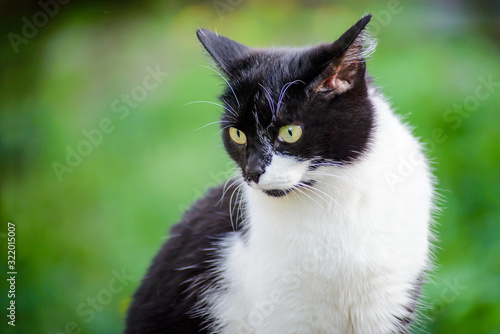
(320, 233)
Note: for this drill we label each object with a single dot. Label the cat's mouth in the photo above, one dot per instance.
(277, 192)
(282, 176)
(285, 192)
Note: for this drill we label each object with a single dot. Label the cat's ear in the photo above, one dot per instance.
(343, 60)
(223, 50)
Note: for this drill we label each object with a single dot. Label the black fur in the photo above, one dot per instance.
(405, 323)
(257, 103)
(182, 269)
(324, 90)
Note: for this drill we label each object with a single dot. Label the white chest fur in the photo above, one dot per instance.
(340, 258)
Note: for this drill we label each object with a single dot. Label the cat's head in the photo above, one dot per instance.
(290, 110)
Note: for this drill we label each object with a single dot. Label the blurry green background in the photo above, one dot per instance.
(86, 234)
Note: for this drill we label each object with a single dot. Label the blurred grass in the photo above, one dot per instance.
(112, 211)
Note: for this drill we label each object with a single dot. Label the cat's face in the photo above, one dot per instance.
(290, 111)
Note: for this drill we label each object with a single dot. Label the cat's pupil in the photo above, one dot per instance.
(290, 131)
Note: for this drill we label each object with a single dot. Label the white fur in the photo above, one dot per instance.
(340, 257)
(283, 173)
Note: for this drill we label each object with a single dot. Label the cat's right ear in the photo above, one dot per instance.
(342, 62)
(223, 50)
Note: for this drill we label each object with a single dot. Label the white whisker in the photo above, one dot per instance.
(230, 182)
(298, 188)
(212, 123)
(209, 102)
(321, 194)
(227, 82)
(283, 92)
(231, 209)
(231, 109)
(269, 101)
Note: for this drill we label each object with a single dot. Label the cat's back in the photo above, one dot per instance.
(165, 301)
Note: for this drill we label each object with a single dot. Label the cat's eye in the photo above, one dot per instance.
(290, 133)
(237, 136)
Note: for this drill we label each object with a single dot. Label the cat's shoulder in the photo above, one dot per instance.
(184, 266)
(217, 212)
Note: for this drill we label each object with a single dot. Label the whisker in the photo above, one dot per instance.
(305, 194)
(283, 91)
(209, 102)
(230, 87)
(320, 192)
(318, 173)
(230, 182)
(212, 123)
(300, 194)
(269, 101)
(231, 109)
(343, 179)
(239, 213)
(224, 128)
(231, 209)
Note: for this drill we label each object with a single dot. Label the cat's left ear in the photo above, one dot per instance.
(342, 62)
(226, 52)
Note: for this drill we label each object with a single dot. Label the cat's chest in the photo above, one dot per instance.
(306, 266)
(319, 233)
(285, 288)
(296, 267)
(313, 245)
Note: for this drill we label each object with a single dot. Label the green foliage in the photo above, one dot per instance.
(78, 226)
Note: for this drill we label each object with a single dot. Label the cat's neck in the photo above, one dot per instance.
(347, 202)
(319, 246)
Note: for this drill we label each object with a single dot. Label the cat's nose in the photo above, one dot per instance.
(253, 173)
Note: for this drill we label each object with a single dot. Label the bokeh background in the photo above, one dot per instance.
(89, 223)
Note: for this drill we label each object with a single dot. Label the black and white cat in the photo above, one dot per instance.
(321, 233)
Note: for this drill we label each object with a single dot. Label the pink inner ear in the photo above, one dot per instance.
(330, 82)
(336, 84)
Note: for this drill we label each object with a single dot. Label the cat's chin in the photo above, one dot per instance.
(272, 192)
(277, 192)
(285, 192)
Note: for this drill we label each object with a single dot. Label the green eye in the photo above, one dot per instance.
(237, 136)
(290, 133)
